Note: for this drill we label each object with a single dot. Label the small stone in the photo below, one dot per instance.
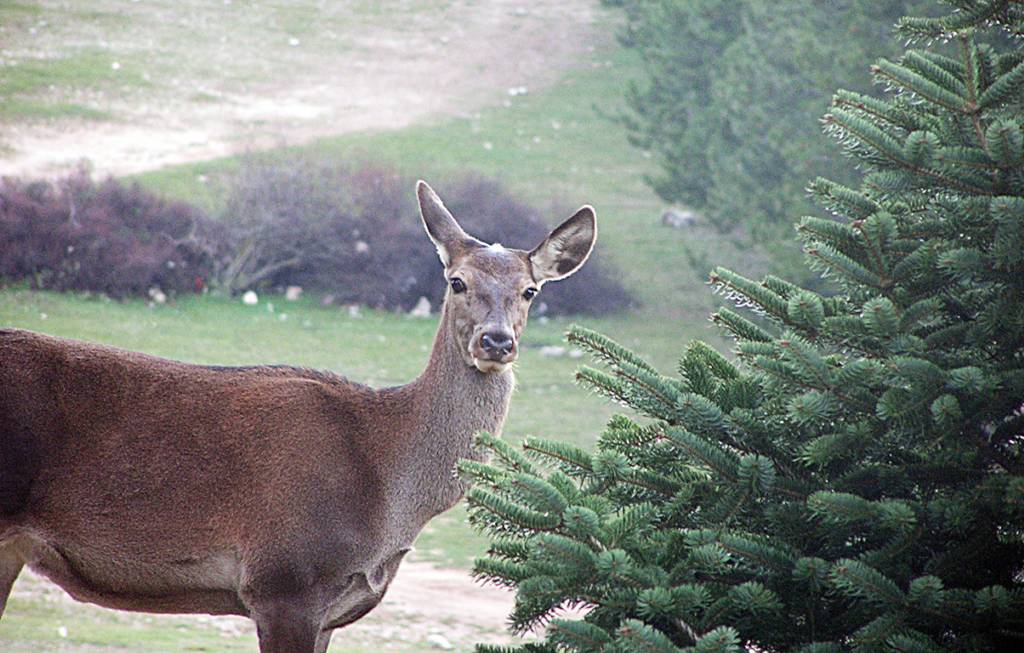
(422, 308)
(250, 298)
(283, 317)
(293, 41)
(552, 351)
(678, 218)
(62, 631)
(439, 641)
(157, 295)
(292, 293)
(488, 145)
(353, 310)
(115, 66)
(362, 247)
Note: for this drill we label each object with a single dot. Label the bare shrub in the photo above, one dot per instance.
(353, 231)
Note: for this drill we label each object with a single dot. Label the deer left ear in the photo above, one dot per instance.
(566, 248)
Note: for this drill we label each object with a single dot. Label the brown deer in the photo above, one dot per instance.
(286, 495)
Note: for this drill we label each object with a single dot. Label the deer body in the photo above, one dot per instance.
(286, 495)
(279, 439)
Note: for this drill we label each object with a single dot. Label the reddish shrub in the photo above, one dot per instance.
(111, 237)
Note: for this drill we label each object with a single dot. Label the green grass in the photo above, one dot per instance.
(25, 86)
(15, 108)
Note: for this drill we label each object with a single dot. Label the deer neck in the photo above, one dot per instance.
(449, 403)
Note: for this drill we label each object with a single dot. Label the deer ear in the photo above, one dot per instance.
(566, 248)
(444, 231)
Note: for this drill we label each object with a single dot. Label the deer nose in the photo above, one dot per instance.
(497, 343)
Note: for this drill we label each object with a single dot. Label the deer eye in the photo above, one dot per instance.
(529, 293)
(458, 285)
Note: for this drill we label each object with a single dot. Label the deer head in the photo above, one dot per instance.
(490, 287)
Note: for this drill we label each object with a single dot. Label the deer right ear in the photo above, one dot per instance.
(444, 231)
(566, 248)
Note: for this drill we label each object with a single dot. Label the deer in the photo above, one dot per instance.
(282, 494)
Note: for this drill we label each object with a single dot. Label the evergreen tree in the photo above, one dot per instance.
(855, 481)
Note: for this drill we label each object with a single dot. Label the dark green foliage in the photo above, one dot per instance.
(855, 481)
(730, 90)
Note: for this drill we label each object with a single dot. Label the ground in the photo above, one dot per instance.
(425, 604)
(135, 86)
(147, 84)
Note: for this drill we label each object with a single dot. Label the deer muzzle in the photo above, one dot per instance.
(493, 350)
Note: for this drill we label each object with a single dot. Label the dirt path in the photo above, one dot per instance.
(192, 80)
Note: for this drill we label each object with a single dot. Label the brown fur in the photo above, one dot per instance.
(283, 494)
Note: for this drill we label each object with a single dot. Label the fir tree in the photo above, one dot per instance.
(855, 480)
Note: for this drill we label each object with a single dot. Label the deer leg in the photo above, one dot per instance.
(286, 628)
(323, 640)
(10, 566)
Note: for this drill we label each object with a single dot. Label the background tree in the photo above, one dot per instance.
(729, 92)
(856, 481)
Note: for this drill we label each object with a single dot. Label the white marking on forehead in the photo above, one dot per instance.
(495, 247)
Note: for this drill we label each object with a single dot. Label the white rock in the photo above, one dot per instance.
(62, 631)
(362, 247)
(422, 308)
(293, 41)
(552, 351)
(678, 218)
(157, 295)
(250, 298)
(292, 293)
(488, 145)
(439, 641)
(353, 310)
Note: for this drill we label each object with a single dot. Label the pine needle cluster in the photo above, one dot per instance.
(854, 479)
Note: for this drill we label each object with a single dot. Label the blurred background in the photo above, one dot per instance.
(231, 182)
